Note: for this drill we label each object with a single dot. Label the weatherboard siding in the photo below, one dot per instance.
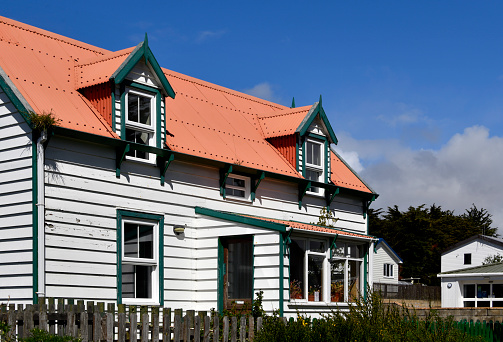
(82, 198)
(16, 236)
(479, 249)
(381, 258)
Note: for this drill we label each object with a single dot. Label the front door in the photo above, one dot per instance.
(238, 272)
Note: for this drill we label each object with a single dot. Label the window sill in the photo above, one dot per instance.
(141, 160)
(238, 199)
(130, 301)
(304, 303)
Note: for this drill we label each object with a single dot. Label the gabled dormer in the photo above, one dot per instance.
(128, 88)
(303, 136)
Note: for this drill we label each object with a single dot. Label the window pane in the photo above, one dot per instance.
(354, 268)
(143, 281)
(235, 192)
(317, 246)
(136, 281)
(235, 182)
(127, 281)
(313, 155)
(297, 253)
(130, 240)
(482, 290)
(337, 281)
(483, 304)
(132, 102)
(469, 304)
(468, 259)
(339, 250)
(146, 242)
(240, 272)
(497, 304)
(498, 290)
(355, 251)
(469, 291)
(314, 281)
(314, 176)
(145, 111)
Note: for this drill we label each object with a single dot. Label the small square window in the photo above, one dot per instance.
(237, 187)
(468, 259)
(388, 270)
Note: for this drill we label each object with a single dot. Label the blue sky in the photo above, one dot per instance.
(413, 89)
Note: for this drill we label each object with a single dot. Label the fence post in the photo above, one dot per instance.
(96, 325)
(259, 323)
(234, 329)
(178, 325)
(226, 329)
(251, 328)
(133, 324)
(11, 322)
(70, 321)
(166, 325)
(42, 316)
(242, 329)
(61, 311)
(52, 309)
(27, 320)
(144, 323)
(197, 328)
(206, 336)
(155, 324)
(216, 327)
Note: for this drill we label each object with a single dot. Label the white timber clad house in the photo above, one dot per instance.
(465, 282)
(153, 187)
(386, 263)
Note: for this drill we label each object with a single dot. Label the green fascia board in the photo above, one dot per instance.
(314, 111)
(15, 96)
(239, 169)
(241, 219)
(142, 50)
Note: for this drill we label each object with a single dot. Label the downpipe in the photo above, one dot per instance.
(41, 212)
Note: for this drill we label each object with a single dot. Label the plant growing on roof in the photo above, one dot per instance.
(327, 218)
(42, 122)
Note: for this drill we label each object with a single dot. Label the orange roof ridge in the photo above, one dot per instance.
(52, 35)
(285, 112)
(222, 89)
(104, 57)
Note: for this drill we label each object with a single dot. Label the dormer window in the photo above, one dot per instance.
(140, 121)
(314, 163)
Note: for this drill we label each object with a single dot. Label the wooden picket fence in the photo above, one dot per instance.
(92, 322)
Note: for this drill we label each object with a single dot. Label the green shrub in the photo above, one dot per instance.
(366, 320)
(38, 335)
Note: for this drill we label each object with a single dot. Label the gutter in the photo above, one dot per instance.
(41, 214)
(465, 275)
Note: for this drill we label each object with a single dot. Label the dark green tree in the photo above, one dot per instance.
(420, 234)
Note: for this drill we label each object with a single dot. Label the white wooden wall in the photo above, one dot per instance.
(83, 195)
(15, 205)
(454, 259)
(380, 258)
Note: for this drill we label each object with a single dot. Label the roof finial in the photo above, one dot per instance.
(320, 99)
(293, 102)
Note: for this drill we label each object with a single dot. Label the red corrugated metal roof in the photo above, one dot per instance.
(310, 227)
(284, 122)
(343, 176)
(204, 119)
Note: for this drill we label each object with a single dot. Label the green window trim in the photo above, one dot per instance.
(125, 214)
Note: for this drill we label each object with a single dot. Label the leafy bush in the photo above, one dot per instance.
(366, 320)
(38, 335)
(44, 121)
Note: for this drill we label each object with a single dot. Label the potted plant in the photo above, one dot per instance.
(314, 293)
(295, 289)
(337, 292)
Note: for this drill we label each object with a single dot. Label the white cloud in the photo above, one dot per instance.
(403, 114)
(205, 35)
(466, 170)
(352, 159)
(262, 90)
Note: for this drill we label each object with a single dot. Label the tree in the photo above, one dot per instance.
(492, 259)
(420, 234)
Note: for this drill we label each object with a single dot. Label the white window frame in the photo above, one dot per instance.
(136, 126)
(313, 167)
(346, 258)
(154, 262)
(388, 270)
(246, 188)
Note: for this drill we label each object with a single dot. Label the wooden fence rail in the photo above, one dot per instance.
(92, 322)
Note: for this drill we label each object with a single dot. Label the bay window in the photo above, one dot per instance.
(316, 277)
